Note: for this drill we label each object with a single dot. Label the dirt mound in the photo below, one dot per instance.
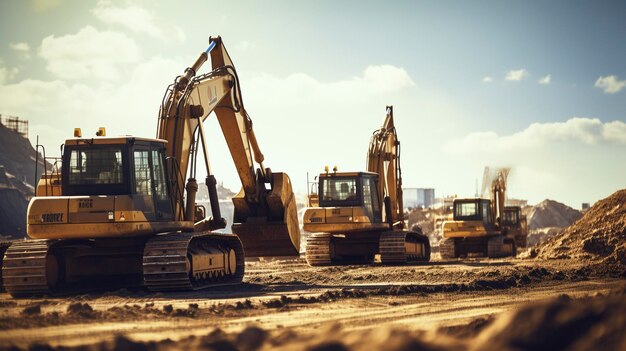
(560, 324)
(550, 213)
(539, 236)
(600, 233)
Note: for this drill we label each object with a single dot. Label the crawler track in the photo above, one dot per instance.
(24, 268)
(447, 248)
(4, 245)
(166, 264)
(392, 247)
(318, 249)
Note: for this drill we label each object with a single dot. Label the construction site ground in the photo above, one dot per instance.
(288, 304)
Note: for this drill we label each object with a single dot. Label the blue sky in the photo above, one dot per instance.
(316, 77)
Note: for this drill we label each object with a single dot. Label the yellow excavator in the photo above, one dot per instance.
(516, 225)
(360, 214)
(118, 212)
(477, 225)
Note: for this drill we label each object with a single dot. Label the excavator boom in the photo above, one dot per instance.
(383, 158)
(265, 216)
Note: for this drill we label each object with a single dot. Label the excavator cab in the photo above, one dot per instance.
(473, 210)
(515, 225)
(119, 166)
(511, 216)
(347, 200)
(110, 187)
(345, 190)
(471, 218)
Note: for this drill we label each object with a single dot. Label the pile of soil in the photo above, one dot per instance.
(539, 236)
(550, 213)
(560, 324)
(599, 234)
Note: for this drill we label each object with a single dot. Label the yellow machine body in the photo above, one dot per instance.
(356, 215)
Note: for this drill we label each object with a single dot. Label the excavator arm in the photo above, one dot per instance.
(383, 158)
(265, 216)
(498, 193)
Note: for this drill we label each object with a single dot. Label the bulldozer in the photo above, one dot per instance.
(477, 226)
(121, 211)
(357, 215)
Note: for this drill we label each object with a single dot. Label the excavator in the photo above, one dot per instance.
(516, 225)
(360, 214)
(119, 213)
(477, 226)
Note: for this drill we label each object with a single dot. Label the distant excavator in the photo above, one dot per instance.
(515, 225)
(478, 224)
(356, 215)
(117, 213)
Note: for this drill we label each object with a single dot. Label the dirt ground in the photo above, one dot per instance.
(287, 304)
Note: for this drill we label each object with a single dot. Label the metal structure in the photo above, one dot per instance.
(15, 124)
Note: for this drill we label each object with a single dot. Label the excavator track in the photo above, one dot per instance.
(168, 261)
(393, 247)
(24, 270)
(318, 249)
(447, 248)
(4, 245)
(500, 246)
(422, 240)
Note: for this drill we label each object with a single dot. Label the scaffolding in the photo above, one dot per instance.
(15, 124)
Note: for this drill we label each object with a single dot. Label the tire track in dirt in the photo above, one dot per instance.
(411, 311)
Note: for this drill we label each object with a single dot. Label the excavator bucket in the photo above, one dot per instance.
(277, 233)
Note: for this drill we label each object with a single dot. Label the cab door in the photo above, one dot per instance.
(143, 187)
(370, 199)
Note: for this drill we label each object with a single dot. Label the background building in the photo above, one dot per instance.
(419, 197)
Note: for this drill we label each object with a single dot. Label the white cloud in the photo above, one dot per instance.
(516, 75)
(615, 131)
(610, 84)
(22, 47)
(545, 80)
(136, 19)
(300, 88)
(6, 74)
(587, 131)
(572, 161)
(487, 79)
(89, 54)
(55, 107)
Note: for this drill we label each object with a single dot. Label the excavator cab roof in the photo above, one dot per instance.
(347, 174)
(119, 140)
